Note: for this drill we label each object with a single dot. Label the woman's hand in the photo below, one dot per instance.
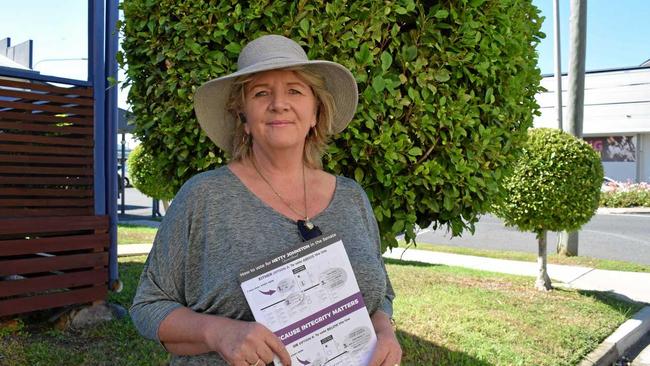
(243, 343)
(388, 351)
(240, 343)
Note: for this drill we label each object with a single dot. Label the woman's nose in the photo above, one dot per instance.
(279, 102)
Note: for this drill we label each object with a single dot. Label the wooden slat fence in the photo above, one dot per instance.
(53, 249)
(48, 262)
(46, 142)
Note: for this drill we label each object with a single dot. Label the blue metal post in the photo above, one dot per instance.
(91, 41)
(111, 137)
(97, 60)
(102, 49)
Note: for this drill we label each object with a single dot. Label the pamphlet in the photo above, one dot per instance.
(309, 297)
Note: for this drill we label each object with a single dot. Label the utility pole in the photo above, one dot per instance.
(558, 62)
(568, 242)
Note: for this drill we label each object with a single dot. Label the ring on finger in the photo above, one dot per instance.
(256, 362)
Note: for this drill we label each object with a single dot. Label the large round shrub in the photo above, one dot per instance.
(146, 177)
(555, 186)
(446, 91)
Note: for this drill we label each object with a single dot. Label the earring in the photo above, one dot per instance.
(246, 139)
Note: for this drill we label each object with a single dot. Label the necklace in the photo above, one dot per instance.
(308, 222)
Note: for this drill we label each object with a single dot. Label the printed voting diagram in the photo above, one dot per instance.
(309, 297)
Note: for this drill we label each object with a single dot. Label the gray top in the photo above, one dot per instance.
(216, 226)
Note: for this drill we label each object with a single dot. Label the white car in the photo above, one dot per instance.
(609, 185)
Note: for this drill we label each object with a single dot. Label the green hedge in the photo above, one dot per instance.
(634, 197)
(446, 91)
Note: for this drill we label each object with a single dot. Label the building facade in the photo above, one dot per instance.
(616, 118)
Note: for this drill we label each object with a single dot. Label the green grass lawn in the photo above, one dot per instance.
(445, 316)
(530, 257)
(454, 316)
(135, 234)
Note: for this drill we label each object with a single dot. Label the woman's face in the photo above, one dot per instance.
(280, 108)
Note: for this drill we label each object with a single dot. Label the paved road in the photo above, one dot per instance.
(618, 237)
(137, 205)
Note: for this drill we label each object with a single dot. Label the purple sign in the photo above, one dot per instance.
(321, 319)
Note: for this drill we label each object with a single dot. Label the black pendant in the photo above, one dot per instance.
(308, 230)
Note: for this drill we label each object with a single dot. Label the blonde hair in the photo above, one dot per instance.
(318, 136)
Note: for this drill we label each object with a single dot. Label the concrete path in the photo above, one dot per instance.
(624, 210)
(133, 249)
(628, 285)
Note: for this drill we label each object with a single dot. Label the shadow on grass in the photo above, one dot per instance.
(125, 218)
(133, 207)
(418, 351)
(619, 303)
(400, 262)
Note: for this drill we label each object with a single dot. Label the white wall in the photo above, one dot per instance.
(620, 171)
(616, 103)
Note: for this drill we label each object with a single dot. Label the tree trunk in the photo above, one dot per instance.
(543, 282)
(165, 205)
(567, 243)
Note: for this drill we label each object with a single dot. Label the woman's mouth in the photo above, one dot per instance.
(279, 123)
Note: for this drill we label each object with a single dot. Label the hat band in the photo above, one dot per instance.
(271, 60)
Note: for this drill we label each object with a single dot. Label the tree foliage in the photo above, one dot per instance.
(146, 177)
(446, 91)
(555, 185)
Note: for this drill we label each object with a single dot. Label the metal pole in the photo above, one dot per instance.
(96, 77)
(578, 43)
(558, 62)
(123, 169)
(155, 208)
(568, 242)
(110, 41)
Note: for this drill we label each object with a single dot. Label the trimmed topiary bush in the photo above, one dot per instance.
(146, 177)
(447, 92)
(555, 186)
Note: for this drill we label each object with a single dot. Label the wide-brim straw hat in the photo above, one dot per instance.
(266, 53)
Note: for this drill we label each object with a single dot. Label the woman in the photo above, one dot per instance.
(273, 116)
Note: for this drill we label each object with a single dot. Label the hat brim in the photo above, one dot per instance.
(219, 125)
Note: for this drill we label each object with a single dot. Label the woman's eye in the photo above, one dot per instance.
(261, 93)
(294, 91)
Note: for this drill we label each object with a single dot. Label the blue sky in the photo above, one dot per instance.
(618, 34)
(58, 29)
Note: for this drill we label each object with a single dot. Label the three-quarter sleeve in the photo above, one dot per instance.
(387, 302)
(161, 288)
